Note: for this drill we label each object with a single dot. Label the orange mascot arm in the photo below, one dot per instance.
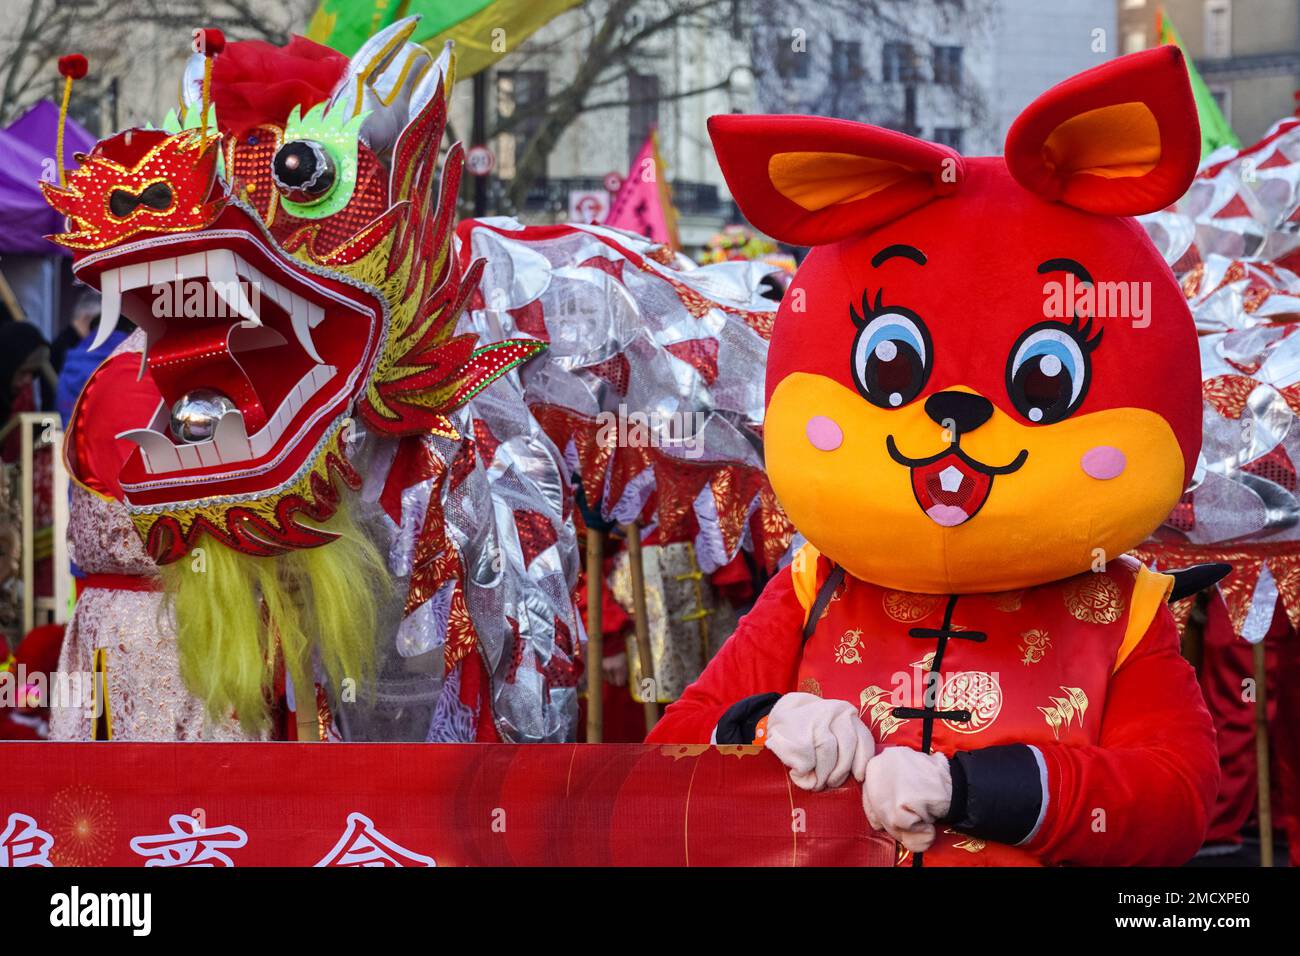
(1143, 794)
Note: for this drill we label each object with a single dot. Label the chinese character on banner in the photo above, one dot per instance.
(190, 843)
(363, 845)
(23, 843)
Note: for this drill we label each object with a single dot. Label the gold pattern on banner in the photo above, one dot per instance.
(1065, 709)
(678, 751)
(968, 843)
(740, 750)
(849, 649)
(975, 691)
(811, 685)
(876, 708)
(1094, 599)
(83, 825)
(1034, 645)
(908, 608)
(925, 663)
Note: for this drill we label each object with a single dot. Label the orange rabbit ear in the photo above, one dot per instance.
(810, 181)
(1121, 139)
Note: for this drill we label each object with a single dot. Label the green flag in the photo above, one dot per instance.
(483, 30)
(1215, 131)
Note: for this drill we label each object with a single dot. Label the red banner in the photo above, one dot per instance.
(123, 804)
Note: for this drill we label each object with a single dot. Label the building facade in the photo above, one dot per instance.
(1247, 51)
(955, 71)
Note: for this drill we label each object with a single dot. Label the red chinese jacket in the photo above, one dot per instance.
(1074, 727)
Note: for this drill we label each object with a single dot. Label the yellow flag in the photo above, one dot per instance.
(494, 31)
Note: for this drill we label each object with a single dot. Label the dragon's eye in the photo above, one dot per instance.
(303, 171)
(1048, 373)
(891, 359)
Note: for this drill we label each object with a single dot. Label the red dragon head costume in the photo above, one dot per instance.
(287, 252)
(292, 270)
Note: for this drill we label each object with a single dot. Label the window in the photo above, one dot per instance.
(642, 110)
(846, 60)
(1134, 4)
(947, 66)
(1135, 41)
(791, 63)
(520, 93)
(898, 64)
(949, 136)
(1223, 100)
(1218, 28)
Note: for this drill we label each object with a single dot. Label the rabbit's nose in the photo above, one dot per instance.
(961, 411)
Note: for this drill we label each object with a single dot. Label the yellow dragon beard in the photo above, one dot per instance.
(236, 614)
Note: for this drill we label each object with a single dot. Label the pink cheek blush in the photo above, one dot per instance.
(1103, 462)
(824, 434)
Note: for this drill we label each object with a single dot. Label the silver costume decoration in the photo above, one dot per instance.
(635, 335)
(1234, 243)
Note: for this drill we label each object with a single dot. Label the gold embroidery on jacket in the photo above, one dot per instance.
(1065, 709)
(977, 692)
(875, 707)
(908, 608)
(1094, 599)
(1034, 645)
(849, 649)
(968, 843)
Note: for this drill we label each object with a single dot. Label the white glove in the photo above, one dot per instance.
(821, 741)
(905, 792)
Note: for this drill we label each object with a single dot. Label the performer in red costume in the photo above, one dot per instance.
(982, 390)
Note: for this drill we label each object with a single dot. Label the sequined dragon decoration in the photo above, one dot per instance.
(284, 245)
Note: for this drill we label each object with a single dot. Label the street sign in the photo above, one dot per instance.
(480, 160)
(588, 205)
(613, 182)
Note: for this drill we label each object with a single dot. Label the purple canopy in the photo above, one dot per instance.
(27, 153)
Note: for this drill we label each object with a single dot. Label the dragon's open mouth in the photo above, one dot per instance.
(266, 352)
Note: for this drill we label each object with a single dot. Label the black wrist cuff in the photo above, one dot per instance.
(739, 724)
(997, 793)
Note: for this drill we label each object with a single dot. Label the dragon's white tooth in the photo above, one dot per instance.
(300, 314)
(231, 437)
(164, 271)
(224, 278)
(110, 306)
(192, 266)
(208, 454)
(950, 479)
(189, 456)
(134, 276)
(282, 296)
(160, 455)
(316, 314)
(220, 264)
